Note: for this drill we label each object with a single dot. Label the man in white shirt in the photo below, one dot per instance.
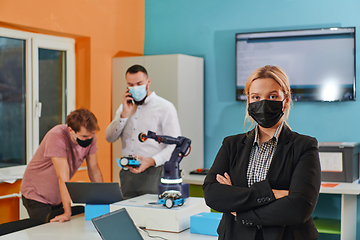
(142, 111)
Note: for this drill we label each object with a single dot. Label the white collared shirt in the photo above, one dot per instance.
(156, 114)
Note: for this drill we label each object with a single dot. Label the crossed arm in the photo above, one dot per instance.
(227, 181)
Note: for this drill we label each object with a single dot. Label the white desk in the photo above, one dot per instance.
(78, 228)
(157, 217)
(349, 192)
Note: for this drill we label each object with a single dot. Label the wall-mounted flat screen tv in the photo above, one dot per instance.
(320, 63)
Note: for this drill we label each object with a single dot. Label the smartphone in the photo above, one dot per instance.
(129, 95)
(130, 101)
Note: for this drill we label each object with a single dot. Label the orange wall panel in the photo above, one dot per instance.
(101, 29)
(82, 53)
(9, 207)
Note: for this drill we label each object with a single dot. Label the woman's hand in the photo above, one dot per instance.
(225, 180)
(280, 193)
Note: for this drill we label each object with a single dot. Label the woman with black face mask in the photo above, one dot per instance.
(266, 181)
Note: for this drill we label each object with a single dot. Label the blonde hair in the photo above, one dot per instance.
(273, 72)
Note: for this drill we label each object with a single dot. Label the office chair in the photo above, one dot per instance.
(18, 225)
(75, 210)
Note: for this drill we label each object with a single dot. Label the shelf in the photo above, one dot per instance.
(340, 188)
(327, 225)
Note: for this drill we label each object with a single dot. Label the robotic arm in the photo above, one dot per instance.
(171, 167)
(171, 189)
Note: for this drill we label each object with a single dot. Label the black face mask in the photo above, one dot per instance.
(265, 112)
(84, 143)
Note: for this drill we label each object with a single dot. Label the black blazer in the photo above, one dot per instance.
(295, 167)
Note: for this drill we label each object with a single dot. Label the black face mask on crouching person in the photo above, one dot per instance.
(84, 143)
(265, 112)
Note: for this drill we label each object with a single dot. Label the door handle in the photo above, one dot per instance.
(38, 106)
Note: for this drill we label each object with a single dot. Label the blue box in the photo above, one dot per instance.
(205, 223)
(95, 210)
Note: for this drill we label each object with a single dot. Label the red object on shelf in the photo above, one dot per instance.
(329, 185)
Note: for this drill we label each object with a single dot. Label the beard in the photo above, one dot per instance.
(141, 102)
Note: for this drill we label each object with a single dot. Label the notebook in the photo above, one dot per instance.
(116, 225)
(94, 192)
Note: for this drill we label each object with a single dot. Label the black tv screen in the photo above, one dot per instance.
(320, 63)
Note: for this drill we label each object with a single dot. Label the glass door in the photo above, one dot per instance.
(52, 89)
(55, 65)
(12, 102)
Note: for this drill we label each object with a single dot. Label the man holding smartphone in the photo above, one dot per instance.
(141, 111)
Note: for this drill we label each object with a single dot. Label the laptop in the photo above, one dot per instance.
(116, 225)
(94, 192)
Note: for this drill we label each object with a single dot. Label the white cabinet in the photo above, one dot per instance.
(179, 79)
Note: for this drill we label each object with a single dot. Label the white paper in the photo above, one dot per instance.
(331, 161)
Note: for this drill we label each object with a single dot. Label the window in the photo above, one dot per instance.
(37, 91)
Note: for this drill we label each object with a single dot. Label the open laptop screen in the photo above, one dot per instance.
(94, 192)
(116, 225)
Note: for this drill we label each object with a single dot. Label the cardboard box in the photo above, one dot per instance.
(145, 212)
(339, 161)
(205, 223)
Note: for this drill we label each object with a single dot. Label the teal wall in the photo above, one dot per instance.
(206, 28)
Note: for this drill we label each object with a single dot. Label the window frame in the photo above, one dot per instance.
(34, 41)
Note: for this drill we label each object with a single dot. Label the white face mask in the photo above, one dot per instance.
(138, 93)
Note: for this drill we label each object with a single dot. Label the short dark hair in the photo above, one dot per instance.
(136, 68)
(82, 117)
